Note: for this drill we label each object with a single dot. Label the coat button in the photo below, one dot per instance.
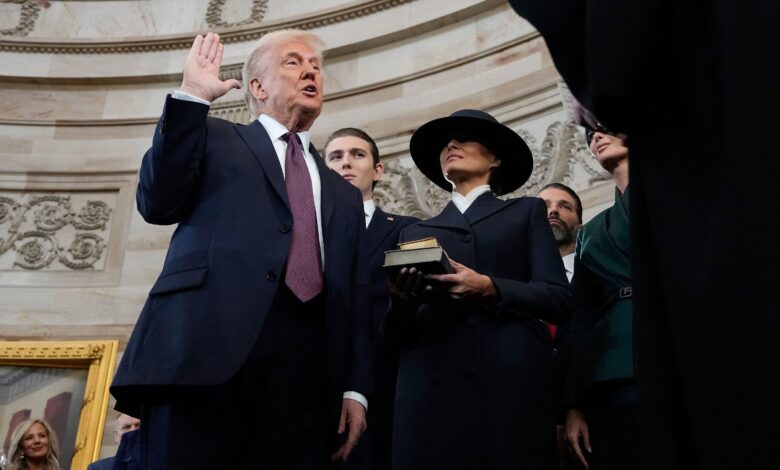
(467, 238)
(284, 228)
(472, 372)
(470, 322)
(270, 275)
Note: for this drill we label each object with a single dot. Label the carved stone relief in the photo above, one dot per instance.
(29, 12)
(215, 14)
(53, 231)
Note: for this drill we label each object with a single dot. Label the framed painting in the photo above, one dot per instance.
(65, 384)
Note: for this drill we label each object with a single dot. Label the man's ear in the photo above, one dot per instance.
(495, 163)
(257, 89)
(379, 170)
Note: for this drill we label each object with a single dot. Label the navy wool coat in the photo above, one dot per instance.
(474, 383)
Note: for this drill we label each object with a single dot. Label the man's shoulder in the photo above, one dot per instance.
(397, 219)
(102, 464)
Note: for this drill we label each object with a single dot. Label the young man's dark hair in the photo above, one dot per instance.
(563, 187)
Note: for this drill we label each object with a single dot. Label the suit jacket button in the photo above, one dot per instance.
(284, 228)
(270, 275)
(472, 372)
(470, 322)
(467, 238)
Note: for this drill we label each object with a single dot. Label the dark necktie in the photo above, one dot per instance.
(304, 266)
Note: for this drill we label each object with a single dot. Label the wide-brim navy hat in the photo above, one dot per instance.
(471, 125)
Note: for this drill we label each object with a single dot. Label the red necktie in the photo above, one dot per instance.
(304, 266)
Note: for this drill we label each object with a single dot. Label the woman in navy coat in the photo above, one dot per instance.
(474, 385)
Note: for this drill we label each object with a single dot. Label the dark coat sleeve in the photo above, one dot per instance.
(363, 347)
(170, 169)
(575, 335)
(547, 295)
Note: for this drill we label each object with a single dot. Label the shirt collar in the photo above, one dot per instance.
(568, 264)
(369, 208)
(276, 130)
(464, 202)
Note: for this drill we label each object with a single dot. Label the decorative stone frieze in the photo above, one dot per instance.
(216, 11)
(28, 14)
(230, 34)
(52, 232)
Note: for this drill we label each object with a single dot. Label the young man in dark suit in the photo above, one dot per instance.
(253, 349)
(354, 155)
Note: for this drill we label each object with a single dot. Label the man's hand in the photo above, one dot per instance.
(353, 416)
(576, 427)
(201, 69)
(466, 282)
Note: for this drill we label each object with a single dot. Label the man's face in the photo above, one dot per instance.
(460, 160)
(351, 157)
(562, 214)
(125, 424)
(291, 83)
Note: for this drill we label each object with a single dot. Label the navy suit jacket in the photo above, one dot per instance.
(474, 380)
(102, 464)
(382, 235)
(222, 184)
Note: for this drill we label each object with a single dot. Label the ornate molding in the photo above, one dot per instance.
(216, 9)
(30, 10)
(229, 34)
(38, 248)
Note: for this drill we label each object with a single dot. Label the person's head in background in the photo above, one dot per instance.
(125, 423)
(354, 155)
(33, 445)
(564, 212)
(611, 152)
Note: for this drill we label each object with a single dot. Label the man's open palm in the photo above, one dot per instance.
(201, 69)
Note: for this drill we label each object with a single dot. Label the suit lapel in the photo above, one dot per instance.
(379, 228)
(484, 206)
(450, 218)
(256, 138)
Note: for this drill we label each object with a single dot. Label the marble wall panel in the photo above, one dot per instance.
(119, 18)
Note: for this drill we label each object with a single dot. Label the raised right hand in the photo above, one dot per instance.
(201, 69)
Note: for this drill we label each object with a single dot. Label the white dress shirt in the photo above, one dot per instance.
(275, 131)
(464, 202)
(568, 264)
(369, 208)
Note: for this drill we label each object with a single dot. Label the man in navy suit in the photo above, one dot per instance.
(124, 424)
(354, 155)
(253, 348)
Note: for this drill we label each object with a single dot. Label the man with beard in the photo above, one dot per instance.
(564, 211)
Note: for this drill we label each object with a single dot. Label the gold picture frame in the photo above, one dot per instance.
(92, 362)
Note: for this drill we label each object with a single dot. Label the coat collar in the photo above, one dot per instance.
(484, 206)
